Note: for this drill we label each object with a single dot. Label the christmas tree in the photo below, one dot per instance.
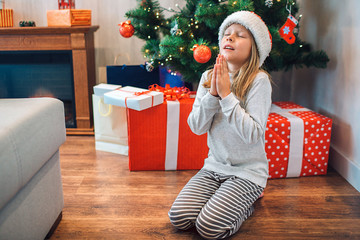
(171, 42)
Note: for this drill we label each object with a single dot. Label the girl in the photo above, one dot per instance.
(232, 106)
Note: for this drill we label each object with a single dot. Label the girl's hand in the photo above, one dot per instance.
(222, 78)
(213, 90)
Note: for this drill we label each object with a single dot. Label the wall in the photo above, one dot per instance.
(334, 26)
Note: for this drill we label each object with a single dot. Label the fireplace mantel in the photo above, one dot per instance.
(80, 41)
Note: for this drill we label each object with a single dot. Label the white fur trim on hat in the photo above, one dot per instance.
(255, 25)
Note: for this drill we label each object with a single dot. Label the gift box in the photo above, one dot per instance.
(68, 17)
(168, 77)
(110, 123)
(297, 141)
(132, 75)
(6, 18)
(102, 88)
(134, 98)
(159, 138)
(66, 4)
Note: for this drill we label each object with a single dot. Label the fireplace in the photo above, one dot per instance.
(26, 74)
(51, 61)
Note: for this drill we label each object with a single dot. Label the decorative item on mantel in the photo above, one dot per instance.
(6, 15)
(66, 4)
(68, 17)
(27, 24)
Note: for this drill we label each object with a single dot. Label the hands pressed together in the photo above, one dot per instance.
(220, 81)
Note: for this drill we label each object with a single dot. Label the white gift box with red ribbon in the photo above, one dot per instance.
(134, 98)
(102, 88)
(297, 141)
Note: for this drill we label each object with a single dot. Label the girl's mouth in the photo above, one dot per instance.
(228, 47)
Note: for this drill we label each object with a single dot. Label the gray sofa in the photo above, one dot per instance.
(31, 196)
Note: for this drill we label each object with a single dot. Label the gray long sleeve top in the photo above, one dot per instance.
(236, 129)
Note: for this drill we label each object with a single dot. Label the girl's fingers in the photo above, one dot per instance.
(215, 72)
(213, 90)
(223, 63)
(226, 66)
(213, 83)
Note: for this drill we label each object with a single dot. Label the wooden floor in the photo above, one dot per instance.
(104, 200)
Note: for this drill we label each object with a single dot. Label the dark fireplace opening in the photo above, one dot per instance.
(26, 74)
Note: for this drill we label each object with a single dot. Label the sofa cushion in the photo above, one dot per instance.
(31, 131)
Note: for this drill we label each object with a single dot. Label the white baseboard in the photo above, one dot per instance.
(347, 168)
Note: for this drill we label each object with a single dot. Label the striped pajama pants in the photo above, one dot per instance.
(215, 204)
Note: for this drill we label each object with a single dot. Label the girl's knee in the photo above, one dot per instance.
(210, 230)
(180, 218)
(215, 228)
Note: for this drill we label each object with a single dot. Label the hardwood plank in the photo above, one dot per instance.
(80, 131)
(104, 200)
(309, 207)
(258, 228)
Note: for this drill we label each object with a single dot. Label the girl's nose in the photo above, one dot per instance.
(229, 39)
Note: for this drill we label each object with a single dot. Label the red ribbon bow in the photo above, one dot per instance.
(171, 93)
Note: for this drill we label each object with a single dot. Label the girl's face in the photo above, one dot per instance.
(236, 45)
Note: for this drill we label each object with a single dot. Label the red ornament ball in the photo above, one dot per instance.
(126, 29)
(202, 53)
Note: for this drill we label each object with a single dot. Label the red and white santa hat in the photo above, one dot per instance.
(255, 25)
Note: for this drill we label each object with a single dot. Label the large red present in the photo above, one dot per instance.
(297, 141)
(160, 139)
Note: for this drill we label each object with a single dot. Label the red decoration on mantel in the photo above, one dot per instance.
(66, 4)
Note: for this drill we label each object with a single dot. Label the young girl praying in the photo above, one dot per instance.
(232, 106)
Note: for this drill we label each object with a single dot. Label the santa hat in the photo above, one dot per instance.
(255, 25)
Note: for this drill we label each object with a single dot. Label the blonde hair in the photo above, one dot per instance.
(244, 77)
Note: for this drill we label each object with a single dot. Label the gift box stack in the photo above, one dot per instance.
(297, 141)
(68, 16)
(6, 16)
(158, 135)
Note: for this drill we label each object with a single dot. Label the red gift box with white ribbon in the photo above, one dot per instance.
(297, 141)
(160, 139)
